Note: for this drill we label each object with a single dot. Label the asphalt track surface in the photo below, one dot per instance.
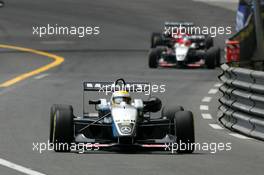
(119, 51)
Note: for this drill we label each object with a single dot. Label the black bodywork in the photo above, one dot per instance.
(148, 131)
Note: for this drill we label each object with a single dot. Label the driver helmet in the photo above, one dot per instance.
(121, 96)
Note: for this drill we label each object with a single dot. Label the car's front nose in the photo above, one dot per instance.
(124, 121)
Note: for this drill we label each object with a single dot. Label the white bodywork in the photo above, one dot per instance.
(181, 51)
(125, 117)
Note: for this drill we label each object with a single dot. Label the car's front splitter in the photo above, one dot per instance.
(165, 64)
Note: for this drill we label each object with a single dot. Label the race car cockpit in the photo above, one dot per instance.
(120, 96)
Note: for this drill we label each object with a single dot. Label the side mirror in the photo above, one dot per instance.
(2, 4)
(97, 102)
(152, 105)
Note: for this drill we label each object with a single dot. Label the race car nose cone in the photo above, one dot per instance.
(125, 129)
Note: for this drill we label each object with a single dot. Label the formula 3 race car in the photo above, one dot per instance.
(121, 122)
(183, 49)
(172, 29)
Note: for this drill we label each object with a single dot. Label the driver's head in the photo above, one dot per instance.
(120, 96)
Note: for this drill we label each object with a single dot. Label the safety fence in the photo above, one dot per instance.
(242, 103)
(246, 39)
(240, 48)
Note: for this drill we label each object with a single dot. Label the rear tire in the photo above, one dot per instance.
(61, 127)
(184, 127)
(156, 40)
(209, 42)
(218, 57)
(169, 111)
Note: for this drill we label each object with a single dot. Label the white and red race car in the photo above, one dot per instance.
(183, 50)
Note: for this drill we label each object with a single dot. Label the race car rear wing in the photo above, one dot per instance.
(177, 24)
(104, 88)
(112, 86)
(191, 37)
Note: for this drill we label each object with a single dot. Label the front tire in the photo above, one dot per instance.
(62, 133)
(53, 109)
(184, 131)
(210, 58)
(154, 57)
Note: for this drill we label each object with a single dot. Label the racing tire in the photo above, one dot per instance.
(210, 58)
(218, 57)
(209, 42)
(154, 56)
(156, 40)
(2, 4)
(53, 109)
(169, 111)
(184, 131)
(61, 127)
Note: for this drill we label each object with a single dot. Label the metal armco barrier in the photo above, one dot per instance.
(242, 103)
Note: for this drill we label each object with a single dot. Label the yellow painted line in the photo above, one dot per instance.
(57, 61)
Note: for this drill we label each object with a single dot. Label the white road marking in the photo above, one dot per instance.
(57, 42)
(213, 91)
(207, 116)
(216, 126)
(239, 136)
(19, 168)
(206, 99)
(218, 84)
(204, 107)
(41, 76)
